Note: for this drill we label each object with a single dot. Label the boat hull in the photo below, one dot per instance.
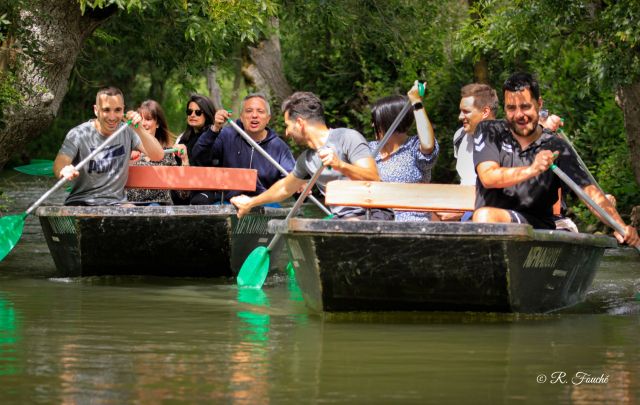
(380, 265)
(176, 241)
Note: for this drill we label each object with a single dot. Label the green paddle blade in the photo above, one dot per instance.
(40, 168)
(254, 269)
(10, 231)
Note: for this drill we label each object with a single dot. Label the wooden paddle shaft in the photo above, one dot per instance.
(271, 160)
(580, 161)
(297, 205)
(608, 219)
(83, 162)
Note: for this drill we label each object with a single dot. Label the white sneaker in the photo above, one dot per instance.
(566, 224)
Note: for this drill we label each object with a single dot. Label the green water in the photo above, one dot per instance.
(118, 340)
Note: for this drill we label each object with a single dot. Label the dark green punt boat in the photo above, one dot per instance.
(384, 265)
(179, 241)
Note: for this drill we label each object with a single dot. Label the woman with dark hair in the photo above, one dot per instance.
(404, 158)
(200, 115)
(155, 123)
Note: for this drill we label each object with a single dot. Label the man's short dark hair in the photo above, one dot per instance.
(305, 105)
(520, 81)
(109, 91)
(483, 96)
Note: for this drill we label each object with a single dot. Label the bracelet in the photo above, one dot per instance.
(417, 106)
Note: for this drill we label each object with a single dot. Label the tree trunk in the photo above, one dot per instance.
(158, 80)
(628, 98)
(481, 66)
(237, 82)
(266, 70)
(59, 30)
(214, 89)
(481, 71)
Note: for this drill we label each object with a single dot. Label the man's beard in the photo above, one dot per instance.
(514, 128)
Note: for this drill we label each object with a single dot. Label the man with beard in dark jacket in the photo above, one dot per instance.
(224, 147)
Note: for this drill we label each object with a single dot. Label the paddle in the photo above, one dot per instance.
(564, 136)
(607, 219)
(256, 266)
(271, 160)
(40, 167)
(11, 226)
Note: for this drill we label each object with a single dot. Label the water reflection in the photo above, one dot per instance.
(255, 325)
(8, 337)
(250, 360)
(579, 350)
(492, 358)
(295, 294)
(144, 340)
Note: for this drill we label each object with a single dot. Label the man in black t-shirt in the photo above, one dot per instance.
(512, 158)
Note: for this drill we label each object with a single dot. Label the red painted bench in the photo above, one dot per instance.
(191, 178)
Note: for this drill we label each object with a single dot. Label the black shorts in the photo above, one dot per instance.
(526, 218)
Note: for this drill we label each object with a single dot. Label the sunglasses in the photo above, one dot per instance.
(190, 111)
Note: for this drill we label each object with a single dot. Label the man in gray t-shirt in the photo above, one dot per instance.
(101, 181)
(345, 151)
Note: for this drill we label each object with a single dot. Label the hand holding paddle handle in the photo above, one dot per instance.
(255, 268)
(271, 160)
(298, 204)
(608, 219)
(83, 162)
(173, 150)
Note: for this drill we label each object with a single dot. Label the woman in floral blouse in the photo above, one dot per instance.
(404, 158)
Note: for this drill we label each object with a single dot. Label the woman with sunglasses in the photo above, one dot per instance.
(155, 123)
(200, 113)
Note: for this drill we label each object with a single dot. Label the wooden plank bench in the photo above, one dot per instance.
(401, 196)
(191, 178)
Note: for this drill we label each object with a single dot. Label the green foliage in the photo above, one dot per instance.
(12, 52)
(208, 27)
(121, 4)
(602, 144)
(155, 49)
(607, 34)
(9, 94)
(352, 52)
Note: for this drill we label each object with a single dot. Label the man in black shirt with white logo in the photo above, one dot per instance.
(512, 158)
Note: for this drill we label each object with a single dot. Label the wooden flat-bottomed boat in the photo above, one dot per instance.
(179, 241)
(383, 265)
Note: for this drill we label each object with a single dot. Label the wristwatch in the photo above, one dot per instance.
(417, 106)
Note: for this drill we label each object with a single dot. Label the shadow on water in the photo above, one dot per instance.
(616, 287)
